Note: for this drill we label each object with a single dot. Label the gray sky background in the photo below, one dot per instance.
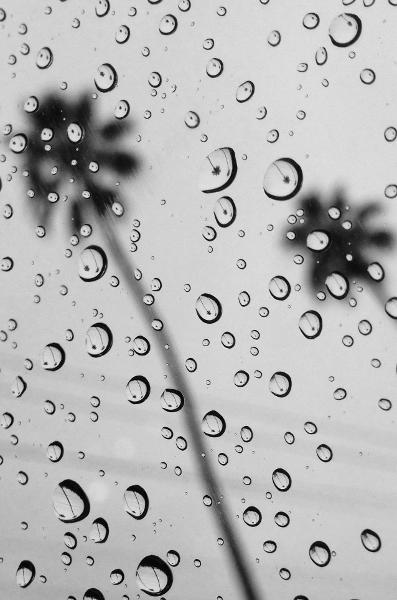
(339, 143)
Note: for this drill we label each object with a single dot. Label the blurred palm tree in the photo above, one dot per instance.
(340, 244)
(66, 144)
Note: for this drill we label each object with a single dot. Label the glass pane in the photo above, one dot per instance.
(198, 299)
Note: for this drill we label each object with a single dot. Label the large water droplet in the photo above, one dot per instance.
(55, 451)
(320, 554)
(252, 516)
(279, 287)
(245, 91)
(172, 400)
(317, 240)
(99, 531)
(224, 211)
(311, 324)
(136, 501)
(93, 594)
(25, 573)
(98, 340)
(106, 78)
(52, 357)
(213, 424)
(283, 179)
(345, 29)
(371, 540)
(214, 67)
(280, 384)
(337, 285)
(138, 389)
(281, 479)
(218, 170)
(168, 24)
(391, 307)
(208, 308)
(44, 58)
(70, 501)
(92, 263)
(154, 576)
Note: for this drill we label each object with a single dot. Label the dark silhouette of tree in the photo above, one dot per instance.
(65, 135)
(73, 150)
(340, 239)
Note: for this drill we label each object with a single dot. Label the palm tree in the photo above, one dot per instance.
(338, 241)
(75, 143)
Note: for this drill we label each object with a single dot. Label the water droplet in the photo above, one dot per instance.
(281, 479)
(311, 324)
(280, 384)
(311, 20)
(218, 170)
(269, 546)
(138, 389)
(324, 453)
(70, 502)
(172, 400)
(92, 263)
(208, 308)
(367, 76)
(391, 307)
(98, 340)
(173, 558)
(252, 516)
(345, 29)
(192, 120)
(390, 134)
(320, 554)
(281, 519)
(225, 211)
(55, 451)
(246, 433)
(93, 594)
(274, 38)
(52, 357)
(122, 34)
(106, 78)
(116, 577)
(283, 179)
(213, 424)
(154, 576)
(279, 287)
(214, 67)
(241, 378)
(122, 109)
(99, 531)
(168, 24)
(245, 91)
(102, 8)
(18, 387)
(375, 271)
(384, 404)
(337, 285)
(370, 540)
(25, 573)
(44, 58)
(318, 240)
(136, 501)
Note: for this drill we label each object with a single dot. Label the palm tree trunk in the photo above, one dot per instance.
(165, 343)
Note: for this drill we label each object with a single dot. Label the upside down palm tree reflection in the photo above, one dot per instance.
(66, 145)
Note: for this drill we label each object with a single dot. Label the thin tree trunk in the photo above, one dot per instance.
(166, 345)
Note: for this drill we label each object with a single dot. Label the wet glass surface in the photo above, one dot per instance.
(198, 299)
